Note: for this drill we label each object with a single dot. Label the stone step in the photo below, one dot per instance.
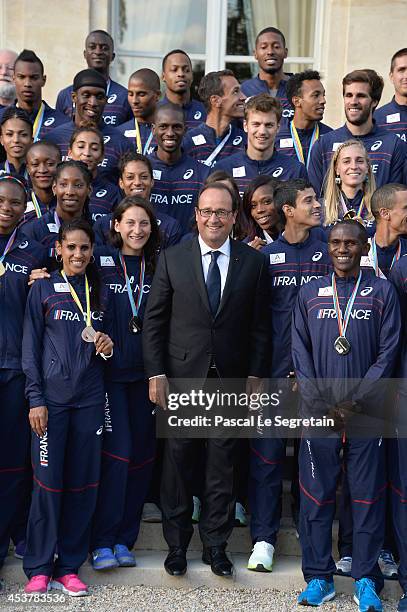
(286, 575)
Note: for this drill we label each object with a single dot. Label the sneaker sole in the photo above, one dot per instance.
(339, 572)
(110, 565)
(260, 567)
(17, 556)
(329, 597)
(60, 587)
(370, 609)
(128, 563)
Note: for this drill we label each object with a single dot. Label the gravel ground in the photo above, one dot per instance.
(148, 599)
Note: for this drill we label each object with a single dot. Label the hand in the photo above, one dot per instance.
(103, 344)
(37, 274)
(38, 420)
(254, 386)
(257, 243)
(159, 389)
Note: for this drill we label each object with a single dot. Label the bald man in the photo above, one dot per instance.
(7, 88)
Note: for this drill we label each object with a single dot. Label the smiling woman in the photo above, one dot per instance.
(16, 132)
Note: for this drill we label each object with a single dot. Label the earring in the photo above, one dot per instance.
(92, 259)
(366, 179)
(58, 256)
(337, 180)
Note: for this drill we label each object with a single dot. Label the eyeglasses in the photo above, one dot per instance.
(206, 213)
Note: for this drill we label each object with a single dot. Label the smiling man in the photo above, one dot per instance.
(89, 97)
(346, 328)
(294, 259)
(198, 326)
(362, 90)
(99, 54)
(218, 137)
(306, 94)
(261, 123)
(177, 177)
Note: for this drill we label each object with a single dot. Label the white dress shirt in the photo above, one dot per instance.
(223, 260)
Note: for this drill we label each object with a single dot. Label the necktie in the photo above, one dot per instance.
(213, 282)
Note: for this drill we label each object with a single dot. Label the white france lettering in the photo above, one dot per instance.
(17, 268)
(182, 198)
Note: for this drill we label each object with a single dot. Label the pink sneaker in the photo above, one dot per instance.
(70, 585)
(38, 584)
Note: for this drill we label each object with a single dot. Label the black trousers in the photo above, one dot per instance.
(218, 493)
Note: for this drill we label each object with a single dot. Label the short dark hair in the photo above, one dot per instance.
(45, 143)
(259, 181)
(363, 235)
(369, 76)
(383, 197)
(173, 52)
(104, 33)
(29, 56)
(82, 130)
(274, 31)
(399, 53)
(132, 156)
(211, 85)
(176, 108)
(263, 103)
(220, 187)
(149, 78)
(286, 193)
(294, 83)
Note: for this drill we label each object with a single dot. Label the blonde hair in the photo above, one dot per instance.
(332, 191)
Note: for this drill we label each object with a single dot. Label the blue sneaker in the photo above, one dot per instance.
(103, 558)
(318, 591)
(366, 597)
(402, 607)
(124, 556)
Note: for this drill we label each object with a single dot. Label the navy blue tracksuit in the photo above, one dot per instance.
(194, 112)
(63, 373)
(285, 141)
(353, 204)
(30, 212)
(170, 230)
(256, 85)
(116, 111)
(44, 231)
(176, 187)
(129, 437)
(398, 445)
(387, 155)
(115, 146)
(104, 197)
(15, 476)
(374, 333)
(393, 117)
(201, 141)
(243, 169)
(290, 266)
(52, 119)
(128, 130)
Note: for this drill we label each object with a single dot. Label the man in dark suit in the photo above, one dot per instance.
(206, 318)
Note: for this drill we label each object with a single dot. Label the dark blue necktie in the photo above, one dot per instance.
(213, 283)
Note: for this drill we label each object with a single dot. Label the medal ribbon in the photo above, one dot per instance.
(138, 137)
(147, 144)
(37, 207)
(57, 221)
(375, 258)
(343, 322)
(297, 142)
(215, 152)
(38, 122)
(77, 300)
(9, 245)
(135, 307)
(345, 208)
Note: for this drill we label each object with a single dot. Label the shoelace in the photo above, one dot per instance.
(321, 584)
(387, 557)
(367, 584)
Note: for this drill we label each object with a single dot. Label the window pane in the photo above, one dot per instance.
(125, 66)
(295, 18)
(161, 25)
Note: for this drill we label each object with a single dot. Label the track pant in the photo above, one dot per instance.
(320, 467)
(127, 464)
(398, 488)
(66, 467)
(14, 455)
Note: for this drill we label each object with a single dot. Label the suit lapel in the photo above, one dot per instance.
(231, 278)
(197, 273)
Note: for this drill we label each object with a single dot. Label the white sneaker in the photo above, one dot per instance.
(151, 513)
(387, 565)
(261, 559)
(344, 566)
(240, 516)
(196, 513)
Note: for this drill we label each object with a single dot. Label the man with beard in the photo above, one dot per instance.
(89, 97)
(7, 88)
(99, 54)
(270, 53)
(362, 90)
(177, 76)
